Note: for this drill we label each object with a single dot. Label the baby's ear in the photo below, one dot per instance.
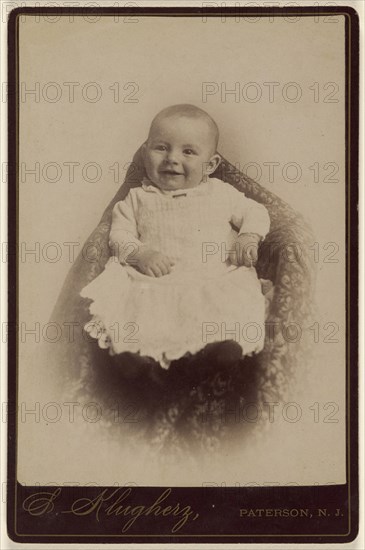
(213, 164)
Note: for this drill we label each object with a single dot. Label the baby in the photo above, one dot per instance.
(184, 246)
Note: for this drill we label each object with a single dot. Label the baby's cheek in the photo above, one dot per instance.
(151, 162)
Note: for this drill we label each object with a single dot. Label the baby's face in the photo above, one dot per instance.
(179, 152)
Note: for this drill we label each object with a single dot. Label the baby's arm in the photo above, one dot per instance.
(253, 222)
(125, 244)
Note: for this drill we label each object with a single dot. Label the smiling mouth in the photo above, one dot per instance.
(171, 173)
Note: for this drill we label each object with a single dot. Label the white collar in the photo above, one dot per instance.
(200, 189)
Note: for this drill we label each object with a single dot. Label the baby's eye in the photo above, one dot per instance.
(189, 152)
(160, 147)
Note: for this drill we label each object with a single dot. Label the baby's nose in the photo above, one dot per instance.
(172, 157)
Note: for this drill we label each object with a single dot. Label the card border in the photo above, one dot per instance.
(352, 172)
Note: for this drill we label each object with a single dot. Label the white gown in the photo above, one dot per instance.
(204, 299)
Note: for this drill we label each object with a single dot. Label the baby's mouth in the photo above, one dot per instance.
(171, 173)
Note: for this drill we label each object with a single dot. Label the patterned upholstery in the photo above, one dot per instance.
(197, 404)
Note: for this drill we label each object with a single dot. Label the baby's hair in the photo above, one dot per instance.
(189, 111)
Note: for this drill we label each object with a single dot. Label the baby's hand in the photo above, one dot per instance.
(245, 250)
(153, 263)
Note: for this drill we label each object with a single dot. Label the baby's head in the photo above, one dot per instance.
(181, 149)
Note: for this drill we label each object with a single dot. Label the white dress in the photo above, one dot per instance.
(204, 299)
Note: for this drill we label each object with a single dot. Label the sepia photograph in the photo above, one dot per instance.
(185, 193)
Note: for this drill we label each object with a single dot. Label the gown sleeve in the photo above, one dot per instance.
(248, 215)
(123, 237)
